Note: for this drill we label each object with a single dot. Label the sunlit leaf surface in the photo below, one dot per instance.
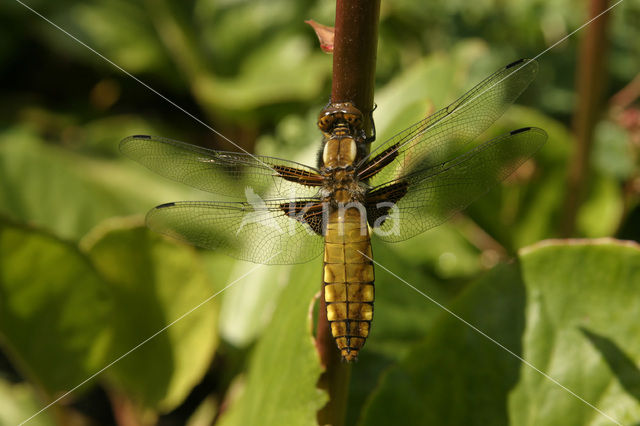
(547, 309)
(280, 387)
(18, 402)
(153, 283)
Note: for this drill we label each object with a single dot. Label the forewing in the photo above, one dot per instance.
(444, 135)
(428, 197)
(220, 172)
(256, 233)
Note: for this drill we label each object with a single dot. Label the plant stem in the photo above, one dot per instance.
(335, 379)
(590, 75)
(354, 53)
(354, 57)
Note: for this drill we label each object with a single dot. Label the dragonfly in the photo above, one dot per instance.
(284, 212)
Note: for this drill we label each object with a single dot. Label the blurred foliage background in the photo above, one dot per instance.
(82, 282)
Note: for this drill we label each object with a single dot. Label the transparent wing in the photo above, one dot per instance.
(260, 232)
(444, 135)
(220, 172)
(428, 197)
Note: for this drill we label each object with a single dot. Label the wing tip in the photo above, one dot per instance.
(125, 142)
(134, 137)
(538, 130)
(165, 205)
(523, 129)
(538, 136)
(514, 63)
(521, 63)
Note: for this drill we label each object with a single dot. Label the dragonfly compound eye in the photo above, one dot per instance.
(325, 122)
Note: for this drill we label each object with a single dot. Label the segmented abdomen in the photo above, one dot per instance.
(348, 280)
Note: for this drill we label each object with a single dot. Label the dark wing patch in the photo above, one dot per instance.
(380, 201)
(303, 177)
(378, 162)
(306, 212)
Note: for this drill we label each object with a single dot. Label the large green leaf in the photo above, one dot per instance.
(259, 54)
(569, 309)
(285, 69)
(248, 306)
(120, 30)
(456, 376)
(582, 330)
(69, 193)
(18, 402)
(154, 283)
(428, 85)
(400, 318)
(53, 309)
(280, 387)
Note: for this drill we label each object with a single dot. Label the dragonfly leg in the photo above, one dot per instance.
(372, 138)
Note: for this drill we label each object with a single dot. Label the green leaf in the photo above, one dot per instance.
(612, 151)
(120, 30)
(455, 376)
(400, 318)
(248, 306)
(603, 208)
(582, 322)
(155, 284)
(569, 309)
(18, 402)
(230, 28)
(444, 249)
(68, 193)
(430, 84)
(280, 387)
(205, 414)
(53, 309)
(293, 69)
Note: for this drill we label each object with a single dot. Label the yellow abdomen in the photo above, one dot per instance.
(348, 280)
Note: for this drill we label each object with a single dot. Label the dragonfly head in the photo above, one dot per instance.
(341, 118)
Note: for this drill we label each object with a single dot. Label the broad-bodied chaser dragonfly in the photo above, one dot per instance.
(291, 212)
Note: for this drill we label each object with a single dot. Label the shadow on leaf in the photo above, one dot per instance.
(620, 364)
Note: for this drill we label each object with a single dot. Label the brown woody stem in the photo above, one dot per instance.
(354, 53)
(354, 57)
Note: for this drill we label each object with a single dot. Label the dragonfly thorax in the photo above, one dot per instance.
(342, 186)
(339, 152)
(345, 141)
